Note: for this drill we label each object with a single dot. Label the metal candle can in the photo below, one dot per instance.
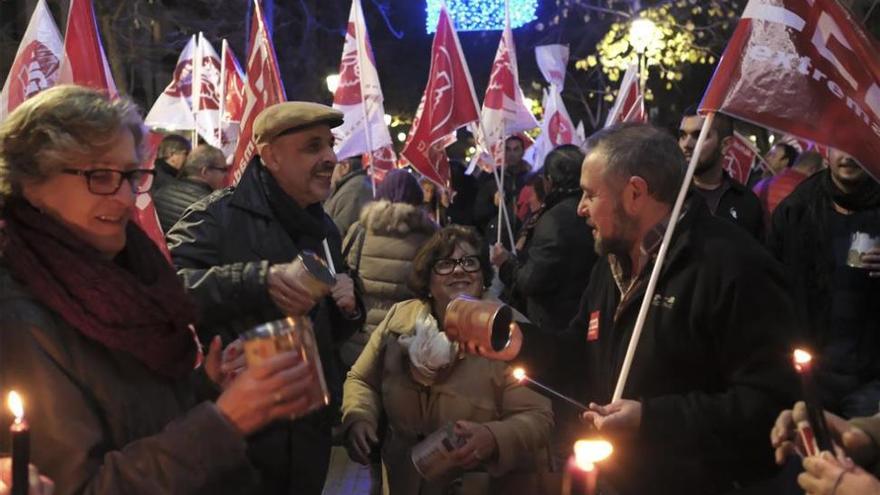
(313, 273)
(432, 457)
(488, 324)
(290, 334)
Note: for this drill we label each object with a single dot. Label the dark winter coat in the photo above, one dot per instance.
(741, 206)
(712, 369)
(165, 174)
(102, 422)
(555, 268)
(172, 200)
(222, 248)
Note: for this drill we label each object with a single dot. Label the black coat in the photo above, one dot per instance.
(222, 248)
(800, 237)
(741, 206)
(165, 174)
(173, 199)
(555, 268)
(712, 369)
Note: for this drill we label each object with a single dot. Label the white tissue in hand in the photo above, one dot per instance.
(429, 349)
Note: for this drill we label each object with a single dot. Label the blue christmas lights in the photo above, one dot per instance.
(482, 15)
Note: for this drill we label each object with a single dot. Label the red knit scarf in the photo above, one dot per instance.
(134, 303)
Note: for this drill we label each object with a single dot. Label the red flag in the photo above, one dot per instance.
(84, 62)
(380, 162)
(449, 102)
(630, 103)
(36, 63)
(739, 158)
(263, 89)
(145, 210)
(807, 68)
(504, 110)
(231, 100)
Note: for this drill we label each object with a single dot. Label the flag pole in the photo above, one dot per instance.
(196, 89)
(224, 46)
(661, 256)
(361, 42)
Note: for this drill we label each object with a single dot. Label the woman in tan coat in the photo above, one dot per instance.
(503, 426)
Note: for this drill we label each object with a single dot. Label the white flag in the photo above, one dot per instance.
(504, 110)
(206, 93)
(37, 61)
(557, 128)
(359, 95)
(172, 110)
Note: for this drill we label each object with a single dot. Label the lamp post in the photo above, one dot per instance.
(642, 33)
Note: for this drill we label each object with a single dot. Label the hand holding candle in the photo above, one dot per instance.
(21, 445)
(520, 375)
(803, 363)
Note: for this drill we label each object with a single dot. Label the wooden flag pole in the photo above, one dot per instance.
(661, 256)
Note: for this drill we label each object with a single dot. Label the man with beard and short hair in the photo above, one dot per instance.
(711, 369)
(233, 251)
(725, 197)
(836, 291)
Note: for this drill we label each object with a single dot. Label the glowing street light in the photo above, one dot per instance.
(387, 119)
(642, 33)
(401, 136)
(332, 82)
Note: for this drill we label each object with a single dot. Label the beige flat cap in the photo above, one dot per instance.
(291, 116)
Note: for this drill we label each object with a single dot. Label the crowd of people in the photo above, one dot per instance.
(136, 378)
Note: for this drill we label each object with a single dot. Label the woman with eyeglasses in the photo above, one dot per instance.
(95, 327)
(411, 374)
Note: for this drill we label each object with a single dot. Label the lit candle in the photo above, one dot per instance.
(520, 375)
(21, 446)
(582, 470)
(803, 363)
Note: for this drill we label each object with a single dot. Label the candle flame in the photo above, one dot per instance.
(589, 452)
(519, 374)
(802, 359)
(15, 405)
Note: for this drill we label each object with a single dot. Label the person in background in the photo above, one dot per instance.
(780, 157)
(203, 173)
(170, 157)
(462, 196)
(725, 197)
(95, 327)
(516, 175)
(411, 374)
(352, 189)
(380, 248)
(772, 190)
(811, 234)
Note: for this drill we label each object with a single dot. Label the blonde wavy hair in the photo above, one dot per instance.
(59, 127)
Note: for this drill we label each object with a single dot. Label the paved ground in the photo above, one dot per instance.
(346, 477)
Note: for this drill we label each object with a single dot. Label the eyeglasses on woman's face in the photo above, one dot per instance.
(107, 181)
(445, 266)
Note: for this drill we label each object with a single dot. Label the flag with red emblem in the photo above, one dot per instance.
(37, 61)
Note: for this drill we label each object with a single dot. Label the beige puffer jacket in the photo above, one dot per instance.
(393, 233)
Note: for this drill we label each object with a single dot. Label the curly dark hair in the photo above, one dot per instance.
(441, 245)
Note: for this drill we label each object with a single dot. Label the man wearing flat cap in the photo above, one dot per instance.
(233, 251)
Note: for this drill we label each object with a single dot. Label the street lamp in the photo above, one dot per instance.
(332, 82)
(642, 33)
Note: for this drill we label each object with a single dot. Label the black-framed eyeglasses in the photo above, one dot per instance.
(107, 181)
(445, 266)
